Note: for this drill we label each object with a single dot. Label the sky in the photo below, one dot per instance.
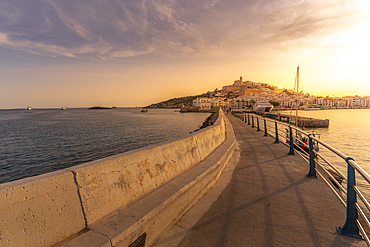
(136, 52)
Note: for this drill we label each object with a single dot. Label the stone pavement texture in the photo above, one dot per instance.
(268, 201)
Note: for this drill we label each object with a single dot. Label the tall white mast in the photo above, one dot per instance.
(297, 82)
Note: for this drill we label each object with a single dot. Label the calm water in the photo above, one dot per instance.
(348, 132)
(40, 141)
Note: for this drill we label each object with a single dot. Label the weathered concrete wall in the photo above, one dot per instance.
(44, 210)
(157, 211)
(116, 181)
(39, 211)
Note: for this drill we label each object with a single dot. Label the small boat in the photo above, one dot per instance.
(312, 107)
(263, 106)
(63, 108)
(29, 108)
(301, 142)
(144, 110)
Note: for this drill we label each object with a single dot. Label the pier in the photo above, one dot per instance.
(269, 201)
(302, 122)
(229, 184)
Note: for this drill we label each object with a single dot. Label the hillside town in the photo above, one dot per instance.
(245, 94)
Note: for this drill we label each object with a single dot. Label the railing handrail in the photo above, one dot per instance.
(358, 168)
(340, 154)
(352, 226)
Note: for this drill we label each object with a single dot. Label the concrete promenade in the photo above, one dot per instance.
(269, 201)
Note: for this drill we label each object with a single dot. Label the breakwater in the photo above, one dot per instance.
(49, 208)
(300, 121)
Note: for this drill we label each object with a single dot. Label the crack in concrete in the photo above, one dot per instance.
(179, 226)
(79, 197)
(110, 240)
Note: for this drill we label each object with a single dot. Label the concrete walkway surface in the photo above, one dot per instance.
(266, 201)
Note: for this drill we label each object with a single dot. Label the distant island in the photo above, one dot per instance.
(100, 107)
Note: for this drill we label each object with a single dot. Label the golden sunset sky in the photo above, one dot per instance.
(134, 53)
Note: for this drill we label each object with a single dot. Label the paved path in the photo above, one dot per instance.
(269, 202)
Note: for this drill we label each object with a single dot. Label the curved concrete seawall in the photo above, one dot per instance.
(46, 209)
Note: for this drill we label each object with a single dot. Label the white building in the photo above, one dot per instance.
(348, 101)
(203, 103)
(216, 102)
(367, 101)
(356, 102)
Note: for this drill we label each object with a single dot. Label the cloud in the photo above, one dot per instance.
(34, 47)
(68, 20)
(304, 21)
(210, 3)
(3, 38)
(120, 28)
(129, 53)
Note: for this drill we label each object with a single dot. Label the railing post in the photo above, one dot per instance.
(264, 120)
(252, 122)
(245, 117)
(276, 133)
(291, 144)
(350, 227)
(312, 171)
(249, 123)
(258, 124)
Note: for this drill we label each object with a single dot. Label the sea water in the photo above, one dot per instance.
(348, 132)
(45, 140)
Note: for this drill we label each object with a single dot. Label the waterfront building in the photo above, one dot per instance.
(219, 102)
(367, 101)
(348, 101)
(203, 103)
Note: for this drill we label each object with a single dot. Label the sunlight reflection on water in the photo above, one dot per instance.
(348, 133)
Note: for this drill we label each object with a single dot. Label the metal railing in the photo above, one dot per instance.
(306, 145)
